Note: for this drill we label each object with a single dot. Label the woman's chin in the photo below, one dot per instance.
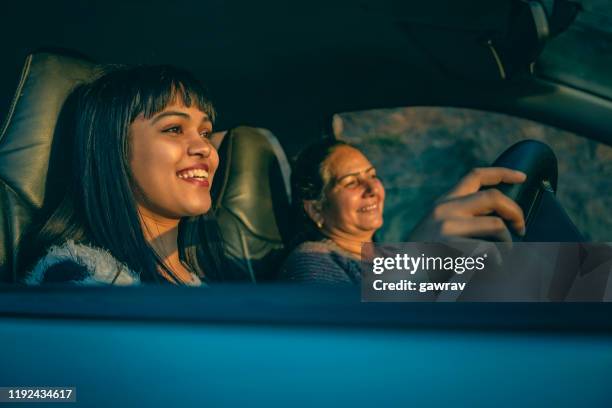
(372, 223)
(196, 209)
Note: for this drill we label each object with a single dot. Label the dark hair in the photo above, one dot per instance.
(308, 182)
(99, 207)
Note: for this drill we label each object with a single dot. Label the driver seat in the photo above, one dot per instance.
(251, 191)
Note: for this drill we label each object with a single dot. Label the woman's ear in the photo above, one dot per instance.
(313, 210)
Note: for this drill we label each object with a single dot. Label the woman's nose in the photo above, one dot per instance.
(199, 146)
(370, 186)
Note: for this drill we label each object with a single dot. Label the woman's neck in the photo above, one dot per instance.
(162, 234)
(349, 243)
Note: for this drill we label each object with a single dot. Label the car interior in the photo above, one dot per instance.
(281, 76)
(253, 211)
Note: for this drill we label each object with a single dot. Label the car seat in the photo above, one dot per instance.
(251, 185)
(30, 127)
(252, 194)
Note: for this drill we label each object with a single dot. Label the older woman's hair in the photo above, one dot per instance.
(309, 179)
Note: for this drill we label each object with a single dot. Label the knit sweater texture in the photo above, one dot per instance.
(321, 262)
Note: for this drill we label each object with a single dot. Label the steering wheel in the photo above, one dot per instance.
(545, 218)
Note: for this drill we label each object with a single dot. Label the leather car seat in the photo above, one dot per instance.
(252, 193)
(33, 121)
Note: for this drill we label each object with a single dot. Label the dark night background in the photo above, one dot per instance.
(285, 66)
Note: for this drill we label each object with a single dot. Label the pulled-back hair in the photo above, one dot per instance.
(309, 179)
(99, 207)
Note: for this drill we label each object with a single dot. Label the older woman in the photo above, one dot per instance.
(339, 201)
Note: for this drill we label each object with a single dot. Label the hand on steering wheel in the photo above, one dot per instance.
(469, 212)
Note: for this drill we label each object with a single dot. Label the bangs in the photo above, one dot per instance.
(148, 90)
(153, 101)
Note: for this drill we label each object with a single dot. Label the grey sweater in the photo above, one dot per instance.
(82, 264)
(321, 262)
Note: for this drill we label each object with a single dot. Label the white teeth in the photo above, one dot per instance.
(368, 208)
(196, 173)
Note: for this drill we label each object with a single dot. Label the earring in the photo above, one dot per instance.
(319, 224)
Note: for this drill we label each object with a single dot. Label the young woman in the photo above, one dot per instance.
(139, 191)
(338, 203)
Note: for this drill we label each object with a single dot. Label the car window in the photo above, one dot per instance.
(421, 152)
(581, 55)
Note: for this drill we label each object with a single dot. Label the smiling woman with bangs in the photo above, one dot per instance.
(137, 204)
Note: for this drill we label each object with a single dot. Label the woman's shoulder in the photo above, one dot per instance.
(320, 262)
(313, 252)
(315, 247)
(324, 249)
(80, 263)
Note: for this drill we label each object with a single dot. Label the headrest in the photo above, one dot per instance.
(33, 121)
(251, 191)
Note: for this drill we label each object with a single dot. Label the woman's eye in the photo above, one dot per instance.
(205, 134)
(351, 184)
(173, 129)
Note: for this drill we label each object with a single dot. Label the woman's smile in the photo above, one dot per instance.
(197, 175)
(368, 208)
